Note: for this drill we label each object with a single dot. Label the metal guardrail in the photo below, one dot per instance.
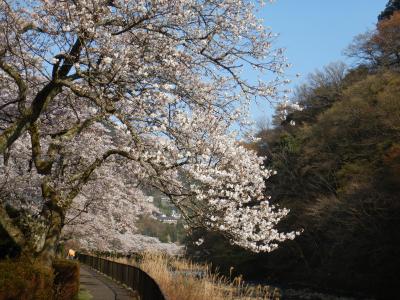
(131, 276)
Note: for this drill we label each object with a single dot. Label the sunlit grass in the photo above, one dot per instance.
(179, 280)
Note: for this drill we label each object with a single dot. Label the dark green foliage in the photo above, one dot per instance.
(348, 198)
(20, 279)
(66, 279)
(391, 7)
(339, 173)
(322, 89)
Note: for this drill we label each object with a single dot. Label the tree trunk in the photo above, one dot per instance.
(56, 222)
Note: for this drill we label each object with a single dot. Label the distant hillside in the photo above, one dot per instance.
(338, 170)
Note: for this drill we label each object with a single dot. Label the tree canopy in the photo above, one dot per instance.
(391, 7)
(99, 99)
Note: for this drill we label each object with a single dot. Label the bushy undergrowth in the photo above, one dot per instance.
(21, 279)
(66, 279)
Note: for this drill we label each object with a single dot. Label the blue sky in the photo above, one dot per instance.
(315, 32)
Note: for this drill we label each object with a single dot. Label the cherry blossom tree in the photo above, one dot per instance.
(116, 94)
(107, 222)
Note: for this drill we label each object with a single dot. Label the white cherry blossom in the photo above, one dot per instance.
(102, 99)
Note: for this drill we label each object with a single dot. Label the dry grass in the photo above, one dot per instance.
(178, 281)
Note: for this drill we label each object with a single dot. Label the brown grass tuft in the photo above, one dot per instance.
(179, 280)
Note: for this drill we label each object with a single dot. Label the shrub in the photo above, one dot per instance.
(22, 279)
(66, 280)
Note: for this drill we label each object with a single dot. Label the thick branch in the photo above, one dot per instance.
(42, 99)
(72, 58)
(13, 231)
(108, 107)
(40, 102)
(22, 88)
(55, 215)
(43, 166)
(29, 27)
(84, 177)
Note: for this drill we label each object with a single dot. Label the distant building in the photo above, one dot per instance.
(168, 220)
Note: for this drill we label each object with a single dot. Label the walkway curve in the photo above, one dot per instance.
(101, 287)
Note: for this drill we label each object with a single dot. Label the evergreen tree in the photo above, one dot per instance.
(391, 7)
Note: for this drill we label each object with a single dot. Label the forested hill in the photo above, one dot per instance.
(338, 170)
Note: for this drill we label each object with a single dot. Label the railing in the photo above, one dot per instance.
(131, 276)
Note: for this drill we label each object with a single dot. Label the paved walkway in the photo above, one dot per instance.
(103, 288)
